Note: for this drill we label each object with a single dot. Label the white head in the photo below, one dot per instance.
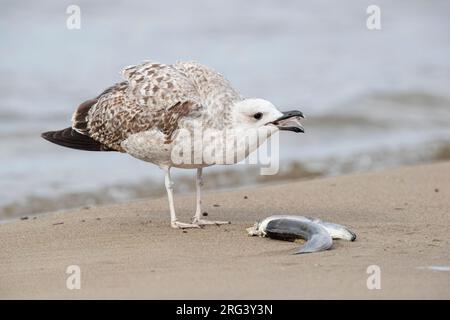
(258, 113)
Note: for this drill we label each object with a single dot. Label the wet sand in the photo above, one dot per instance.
(401, 217)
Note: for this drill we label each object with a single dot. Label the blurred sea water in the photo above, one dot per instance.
(373, 99)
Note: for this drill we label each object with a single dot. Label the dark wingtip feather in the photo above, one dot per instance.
(47, 135)
(72, 139)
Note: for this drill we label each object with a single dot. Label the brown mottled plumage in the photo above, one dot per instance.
(154, 96)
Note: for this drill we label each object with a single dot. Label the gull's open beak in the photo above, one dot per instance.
(290, 120)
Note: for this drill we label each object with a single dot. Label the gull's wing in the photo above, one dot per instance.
(153, 96)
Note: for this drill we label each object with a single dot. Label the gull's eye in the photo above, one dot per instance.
(258, 115)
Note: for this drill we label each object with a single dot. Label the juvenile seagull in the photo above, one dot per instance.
(146, 115)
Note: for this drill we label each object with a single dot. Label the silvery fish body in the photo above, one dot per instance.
(317, 233)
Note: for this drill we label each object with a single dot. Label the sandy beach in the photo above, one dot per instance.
(401, 217)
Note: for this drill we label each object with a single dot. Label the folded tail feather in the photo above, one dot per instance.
(70, 138)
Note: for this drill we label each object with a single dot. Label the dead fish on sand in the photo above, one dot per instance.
(318, 234)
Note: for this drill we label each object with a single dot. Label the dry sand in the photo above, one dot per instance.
(401, 217)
